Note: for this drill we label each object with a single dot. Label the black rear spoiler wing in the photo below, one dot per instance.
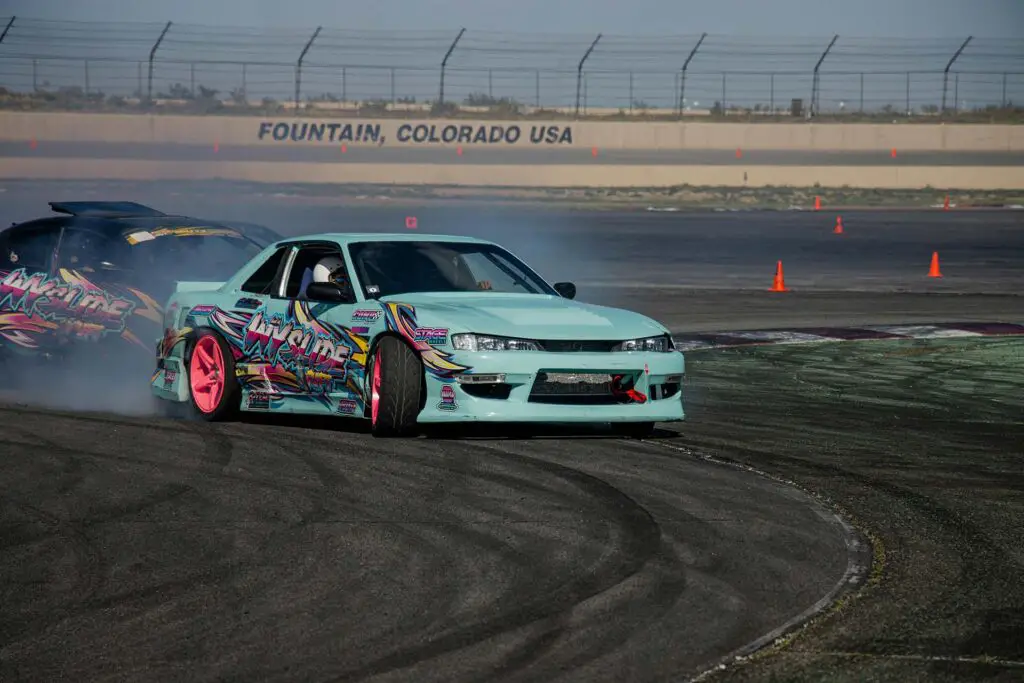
(105, 209)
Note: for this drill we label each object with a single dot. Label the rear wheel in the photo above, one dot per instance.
(396, 389)
(212, 386)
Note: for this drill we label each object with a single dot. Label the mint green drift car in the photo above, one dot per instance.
(417, 329)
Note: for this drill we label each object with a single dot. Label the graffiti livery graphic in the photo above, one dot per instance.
(401, 318)
(63, 307)
(296, 355)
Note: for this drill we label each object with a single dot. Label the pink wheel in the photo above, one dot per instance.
(207, 374)
(375, 391)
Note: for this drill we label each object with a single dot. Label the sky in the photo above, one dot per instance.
(869, 18)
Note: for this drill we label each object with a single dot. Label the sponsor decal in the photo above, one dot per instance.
(141, 236)
(431, 335)
(248, 303)
(170, 377)
(366, 315)
(414, 133)
(448, 401)
(194, 231)
(258, 399)
(347, 406)
(360, 330)
(401, 318)
(202, 310)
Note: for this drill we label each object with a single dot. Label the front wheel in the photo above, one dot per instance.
(212, 386)
(396, 389)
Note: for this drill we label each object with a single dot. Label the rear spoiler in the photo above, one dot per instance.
(106, 209)
(186, 286)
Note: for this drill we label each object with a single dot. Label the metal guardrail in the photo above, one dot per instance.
(583, 74)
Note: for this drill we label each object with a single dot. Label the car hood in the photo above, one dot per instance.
(531, 316)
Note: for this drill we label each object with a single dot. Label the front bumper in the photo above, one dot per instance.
(656, 377)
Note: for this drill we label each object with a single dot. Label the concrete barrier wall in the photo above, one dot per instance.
(543, 176)
(253, 130)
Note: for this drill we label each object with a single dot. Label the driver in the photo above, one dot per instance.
(331, 269)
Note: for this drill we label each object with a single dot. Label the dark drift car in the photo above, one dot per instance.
(89, 285)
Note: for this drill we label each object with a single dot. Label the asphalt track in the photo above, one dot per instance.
(494, 154)
(133, 548)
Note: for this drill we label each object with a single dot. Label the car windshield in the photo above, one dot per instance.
(387, 268)
(154, 263)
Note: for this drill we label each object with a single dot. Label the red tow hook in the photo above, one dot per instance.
(632, 394)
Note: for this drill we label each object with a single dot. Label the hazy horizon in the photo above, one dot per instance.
(867, 18)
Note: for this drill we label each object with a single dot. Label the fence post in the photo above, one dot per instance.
(344, 84)
(152, 54)
(87, 78)
(579, 72)
(192, 78)
(631, 92)
(862, 93)
(35, 76)
(444, 64)
(536, 86)
(945, 72)
(815, 80)
(298, 67)
(1004, 91)
(7, 28)
(908, 92)
(771, 94)
(245, 82)
(682, 75)
(725, 76)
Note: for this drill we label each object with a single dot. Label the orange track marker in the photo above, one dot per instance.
(779, 283)
(934, 270)
(839, 226)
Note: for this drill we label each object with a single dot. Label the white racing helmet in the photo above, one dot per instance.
(331, 269)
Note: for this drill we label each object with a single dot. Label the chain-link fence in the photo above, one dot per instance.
(686, 73)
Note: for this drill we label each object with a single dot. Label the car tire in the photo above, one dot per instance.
(213, 390)
(634, 430)
(396, 389)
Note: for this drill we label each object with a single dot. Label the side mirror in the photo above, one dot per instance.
(325, 291)
(566, 290)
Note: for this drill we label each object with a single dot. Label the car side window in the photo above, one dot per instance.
(262, 280)
(301, 274)
(30, 248)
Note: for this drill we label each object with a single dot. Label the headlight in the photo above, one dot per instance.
(480, 342)
(662, 344)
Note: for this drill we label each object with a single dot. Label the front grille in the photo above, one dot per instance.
(576, 345)
(575, 388)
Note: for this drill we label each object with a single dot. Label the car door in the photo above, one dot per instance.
(98, 264)
(310, 353)
(28, 285)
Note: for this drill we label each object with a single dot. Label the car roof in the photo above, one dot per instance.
(113, 218)
(346, 238)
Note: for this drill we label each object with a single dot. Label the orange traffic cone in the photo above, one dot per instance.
(945, 204)
(839, 226)
(817, 203)
(779, 283)
(934, 270)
